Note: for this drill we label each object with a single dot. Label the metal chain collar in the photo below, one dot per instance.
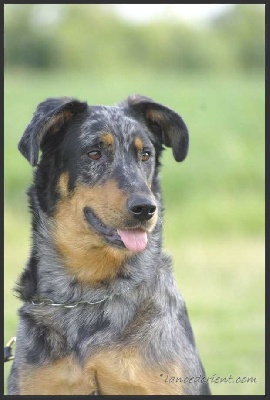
(49, 302)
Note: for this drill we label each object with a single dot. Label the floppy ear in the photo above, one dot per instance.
(49, 117)
(171, 128)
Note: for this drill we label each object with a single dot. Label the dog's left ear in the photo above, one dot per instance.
(162, 121)
(50, 117)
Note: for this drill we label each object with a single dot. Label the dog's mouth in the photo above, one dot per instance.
(134, 239)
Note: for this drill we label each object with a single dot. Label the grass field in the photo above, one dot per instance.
(214, 204)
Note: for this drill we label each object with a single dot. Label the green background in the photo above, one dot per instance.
(214, 200)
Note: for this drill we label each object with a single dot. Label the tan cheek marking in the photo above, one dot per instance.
(123, 372)
(110, 204)
(63, 377)
(138, 143)
(63, 184)
(107, 138)
(85, 253)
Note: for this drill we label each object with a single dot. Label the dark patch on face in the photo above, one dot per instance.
(59, 154)
(70, 151)
(48, 171)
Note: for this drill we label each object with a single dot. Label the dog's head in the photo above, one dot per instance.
(97, 177)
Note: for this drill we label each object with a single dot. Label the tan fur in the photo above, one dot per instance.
(138, 144)
(85, 253)
(107, 138)
(123, 372)
(63, 184)
(154, 115)
(55, 122)
(63, 377)
(111, 372)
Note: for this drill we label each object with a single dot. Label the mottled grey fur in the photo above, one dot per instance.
(145, 309)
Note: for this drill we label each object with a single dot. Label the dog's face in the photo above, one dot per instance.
(98, 173)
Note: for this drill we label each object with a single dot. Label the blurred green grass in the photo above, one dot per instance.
(214, 203)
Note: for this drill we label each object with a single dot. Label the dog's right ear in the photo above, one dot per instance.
(49, 117)
(163, 122)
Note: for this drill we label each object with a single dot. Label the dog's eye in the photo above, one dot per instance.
(94, 154)
(145, 155)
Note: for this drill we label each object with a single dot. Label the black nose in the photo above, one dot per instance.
(141, 207)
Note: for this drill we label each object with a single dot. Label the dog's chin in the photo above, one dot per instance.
(132, 238)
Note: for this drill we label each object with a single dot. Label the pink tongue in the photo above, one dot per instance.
(134, 239)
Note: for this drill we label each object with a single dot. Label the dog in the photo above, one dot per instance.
(101, 312)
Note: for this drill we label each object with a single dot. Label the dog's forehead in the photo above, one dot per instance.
(110, 119)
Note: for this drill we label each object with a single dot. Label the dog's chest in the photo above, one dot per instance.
(110, 371)
(61, 377)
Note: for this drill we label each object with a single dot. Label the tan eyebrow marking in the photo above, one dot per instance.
(138, 143)
(107, 138)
